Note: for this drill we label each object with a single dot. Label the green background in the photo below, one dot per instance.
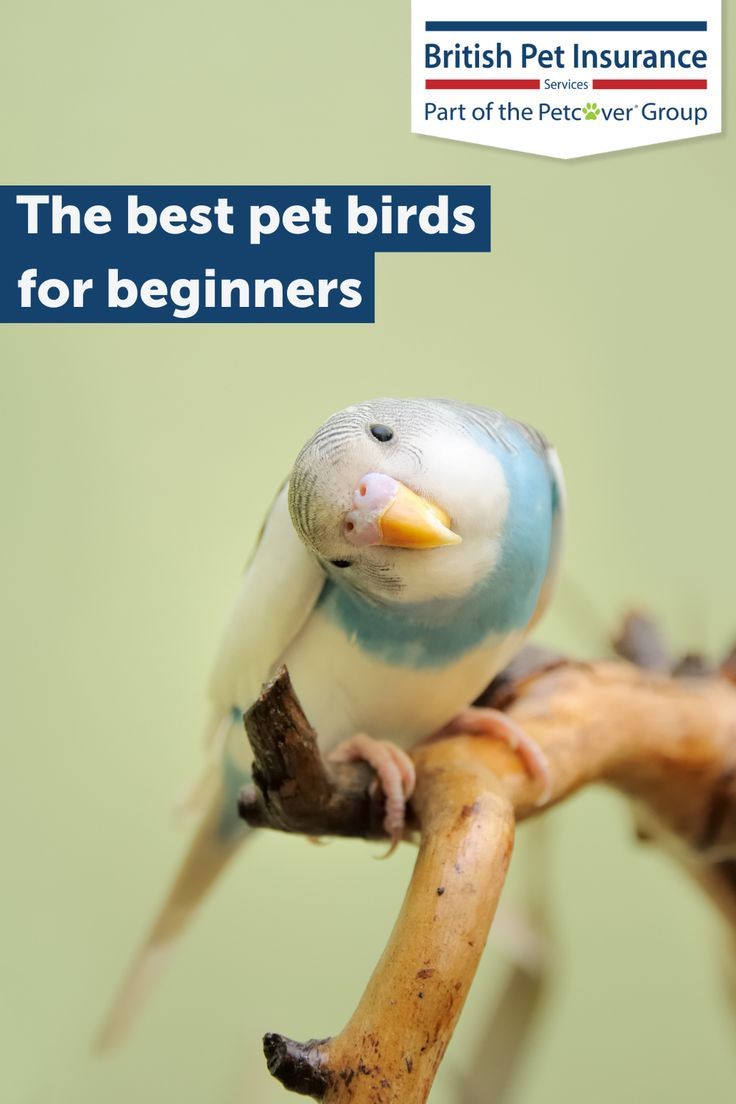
(137, 462)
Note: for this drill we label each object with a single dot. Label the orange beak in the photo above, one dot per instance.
(387, 513)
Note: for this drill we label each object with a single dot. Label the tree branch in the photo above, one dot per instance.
(293, 788)
(668, 744)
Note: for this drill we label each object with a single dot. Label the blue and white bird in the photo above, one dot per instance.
(415, 544)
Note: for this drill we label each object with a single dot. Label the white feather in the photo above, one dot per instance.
(277, 594)
(345, 689)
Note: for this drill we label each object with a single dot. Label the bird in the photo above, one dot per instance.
(412, 548)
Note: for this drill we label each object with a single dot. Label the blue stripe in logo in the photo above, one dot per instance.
(481, 25)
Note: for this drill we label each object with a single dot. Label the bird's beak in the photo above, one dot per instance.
(385, 512)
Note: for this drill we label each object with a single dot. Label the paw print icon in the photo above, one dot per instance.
(591, 111)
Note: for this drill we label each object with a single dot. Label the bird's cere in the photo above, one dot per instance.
(386, 512)
(372, 497)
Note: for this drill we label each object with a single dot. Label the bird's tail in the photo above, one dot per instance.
(216, 840)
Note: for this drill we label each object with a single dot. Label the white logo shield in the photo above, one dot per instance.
(505, 74)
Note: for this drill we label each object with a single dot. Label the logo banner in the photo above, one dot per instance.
(504, 74)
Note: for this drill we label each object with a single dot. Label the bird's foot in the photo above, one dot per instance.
(396, 776)
(476, 721)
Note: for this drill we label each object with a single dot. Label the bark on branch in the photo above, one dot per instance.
(669, 744)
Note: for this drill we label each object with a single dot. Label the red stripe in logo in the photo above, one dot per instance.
(481, 84)
(650, 84)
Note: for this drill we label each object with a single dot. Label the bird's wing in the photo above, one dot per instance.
(557, 537)
(278, 591)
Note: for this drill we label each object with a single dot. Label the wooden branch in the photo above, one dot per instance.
(668, 744)
(392, 1046)
(293, 788)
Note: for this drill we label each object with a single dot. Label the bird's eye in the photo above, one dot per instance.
(341, 563)
(382, 433)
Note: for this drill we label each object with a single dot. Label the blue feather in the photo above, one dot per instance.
(234, 777)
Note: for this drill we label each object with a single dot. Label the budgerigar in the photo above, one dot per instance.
(399, 569)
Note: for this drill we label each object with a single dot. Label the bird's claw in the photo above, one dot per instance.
(477, 721)
(395, 773)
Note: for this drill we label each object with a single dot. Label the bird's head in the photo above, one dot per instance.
(400, 501)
